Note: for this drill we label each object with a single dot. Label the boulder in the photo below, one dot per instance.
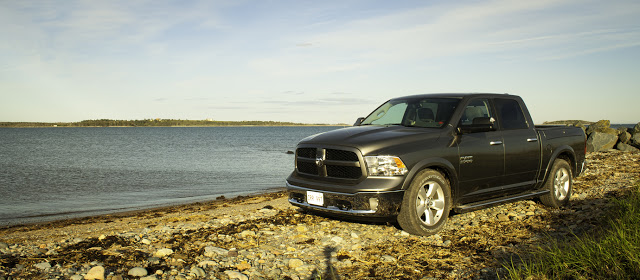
(580, 125)
(627, 148)
(601, 141)
(636, 128)
(625, 137)
(600, 126)
(635, 140)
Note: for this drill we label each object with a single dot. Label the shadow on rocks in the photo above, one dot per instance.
(331, 273)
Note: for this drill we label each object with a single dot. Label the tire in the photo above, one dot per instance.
(559, 184)
(426, 204)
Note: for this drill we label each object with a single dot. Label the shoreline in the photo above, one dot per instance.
(264, 237)
(166, 208)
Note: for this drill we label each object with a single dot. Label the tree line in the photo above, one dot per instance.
(150, 122)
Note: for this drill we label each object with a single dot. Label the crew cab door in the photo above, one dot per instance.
(481, 152)
(522, 149)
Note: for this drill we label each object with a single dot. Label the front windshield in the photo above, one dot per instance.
(425, 112)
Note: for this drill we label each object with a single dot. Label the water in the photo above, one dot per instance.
(55, 173)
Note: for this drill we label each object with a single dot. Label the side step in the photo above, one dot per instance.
(497, 201)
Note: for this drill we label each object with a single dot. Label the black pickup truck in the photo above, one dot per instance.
(415, 158)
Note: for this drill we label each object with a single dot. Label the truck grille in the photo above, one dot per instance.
(331, 163)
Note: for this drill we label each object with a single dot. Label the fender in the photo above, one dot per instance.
(560, 150)
(439, 163)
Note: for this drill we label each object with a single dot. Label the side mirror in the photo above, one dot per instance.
(358, 121)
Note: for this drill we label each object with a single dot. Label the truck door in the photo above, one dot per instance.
(481, 152)
(522, 150)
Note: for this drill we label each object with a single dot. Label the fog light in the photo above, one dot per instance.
(373, 204)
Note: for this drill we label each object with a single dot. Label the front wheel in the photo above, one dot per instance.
(559, 184)
(426, 204)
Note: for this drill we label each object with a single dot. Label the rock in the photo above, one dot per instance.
(601, 126)
(337, 239)
(42, 265)
(4, 245)
(145, 241)
(211, 251)
(163, 252)
(243, 266)
(301, 228)
(138, 271)
(636, 128)
(502, 217)
(600, 141)
(635, 139)
(76, 277)
(207, 263)
(150, 277)
(235, 275)
(117, 277)
(232, 253)
(96, 272)
(295, 263)
(625, 137)
(247, 233)
(627, 148)
(388, 259)
(197, 272)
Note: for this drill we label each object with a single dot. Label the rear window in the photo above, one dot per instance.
(510, 114)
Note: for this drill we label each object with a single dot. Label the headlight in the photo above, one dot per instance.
(385, 166)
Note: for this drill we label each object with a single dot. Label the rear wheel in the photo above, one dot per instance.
(559, 184)
(426, 204)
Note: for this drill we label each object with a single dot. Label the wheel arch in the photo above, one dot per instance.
(441, 165)
(566, 153)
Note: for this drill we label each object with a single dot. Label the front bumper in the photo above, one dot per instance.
(365, 204)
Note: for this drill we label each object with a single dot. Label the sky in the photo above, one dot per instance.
(312, 61)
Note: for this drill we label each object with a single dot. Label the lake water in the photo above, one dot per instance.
(55, 173)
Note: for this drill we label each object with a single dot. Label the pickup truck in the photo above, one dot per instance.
(416, 158)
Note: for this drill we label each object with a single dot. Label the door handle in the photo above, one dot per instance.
(532, 139)
(493, 143)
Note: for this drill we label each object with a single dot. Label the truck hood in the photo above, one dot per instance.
(370, 138)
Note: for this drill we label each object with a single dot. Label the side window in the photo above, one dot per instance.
(476, 112)
(510, 114)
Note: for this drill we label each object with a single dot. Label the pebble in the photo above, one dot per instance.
(43, 265)
(294, 263)
(502, 217)
(388, 258)
(137, 271)
(197, 272)
(163, 252)
(235, 275)
(96, 272)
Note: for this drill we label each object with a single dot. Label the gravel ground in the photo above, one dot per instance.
(263, 237)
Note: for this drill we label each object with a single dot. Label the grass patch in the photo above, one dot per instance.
(611, 254)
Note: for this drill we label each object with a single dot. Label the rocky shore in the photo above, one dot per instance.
(263, 237)
(601, 137)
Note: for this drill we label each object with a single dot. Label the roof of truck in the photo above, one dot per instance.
(454, 95)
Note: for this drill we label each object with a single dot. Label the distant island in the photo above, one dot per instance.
(569, 122)
(156, 123)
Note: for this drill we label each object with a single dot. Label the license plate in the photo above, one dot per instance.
(315, 198)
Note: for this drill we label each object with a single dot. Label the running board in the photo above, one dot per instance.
(493, 202)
